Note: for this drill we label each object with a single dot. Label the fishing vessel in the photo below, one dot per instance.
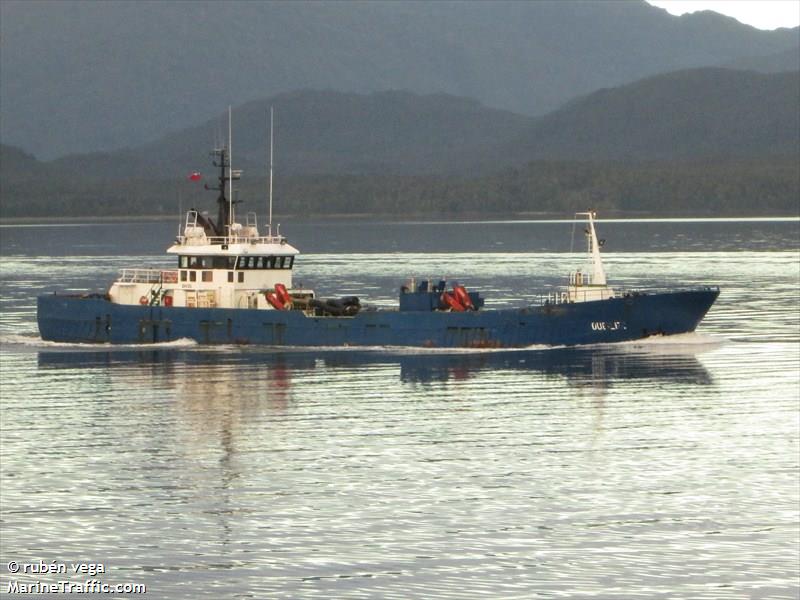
(232, 284)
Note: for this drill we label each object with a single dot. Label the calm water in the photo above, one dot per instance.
(662, 469)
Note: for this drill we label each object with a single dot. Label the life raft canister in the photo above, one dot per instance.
(451, 301)
(283, 294)
(276, 303)
(463, 298)
(143, 301)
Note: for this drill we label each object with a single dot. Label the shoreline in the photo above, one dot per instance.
(427, 217)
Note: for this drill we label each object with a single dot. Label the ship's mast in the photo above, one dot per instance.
(222, 159)
(269, 220)
(223, 205)
(230, 173)
(222, 201)
(598, 272)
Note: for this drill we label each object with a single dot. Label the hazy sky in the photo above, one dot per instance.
(763, 14)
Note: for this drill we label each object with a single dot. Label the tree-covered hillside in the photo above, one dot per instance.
(692, 114)
(699, 141)
(325, 132)
(734, 187)
(699, 113)
(79, 76)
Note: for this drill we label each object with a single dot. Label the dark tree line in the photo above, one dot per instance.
(725, 188)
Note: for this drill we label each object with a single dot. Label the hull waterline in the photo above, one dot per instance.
(94, 319)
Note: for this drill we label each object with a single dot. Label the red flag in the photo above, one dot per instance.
(195, 176)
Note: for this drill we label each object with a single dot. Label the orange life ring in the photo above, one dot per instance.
(463, 297)
(143, 301)
(276, 303)
(449, 300)
(283, 293)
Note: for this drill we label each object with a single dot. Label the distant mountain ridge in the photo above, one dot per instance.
(692, 114)
(691, 141)
(88, 76)
(787, 60)
(334, 132)
(685, 115)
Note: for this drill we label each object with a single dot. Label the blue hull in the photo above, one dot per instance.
(93, 319)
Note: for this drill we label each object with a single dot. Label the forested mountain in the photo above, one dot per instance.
(80, 76)
(699, 113)
(718, 188)
(325, 132)
(690, 141)
(788, 60)
(15, 161)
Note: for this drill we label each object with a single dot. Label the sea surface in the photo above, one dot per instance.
(666, 468)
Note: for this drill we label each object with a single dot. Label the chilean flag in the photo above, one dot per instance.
(195, 176)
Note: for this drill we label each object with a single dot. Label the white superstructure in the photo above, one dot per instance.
(221, 264)
(234, 271)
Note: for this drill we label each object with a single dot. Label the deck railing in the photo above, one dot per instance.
(233, 239)
(148, 276)
(563, 297)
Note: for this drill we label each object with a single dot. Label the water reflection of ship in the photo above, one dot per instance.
(214, 411)
(579, 366)
(225, 400)
(209, 373)
(212, 378)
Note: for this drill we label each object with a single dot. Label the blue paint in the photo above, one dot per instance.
(93, 319)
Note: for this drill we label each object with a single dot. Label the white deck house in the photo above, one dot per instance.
(235, 271)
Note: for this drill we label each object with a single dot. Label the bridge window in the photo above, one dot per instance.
(190, 262)
(262, 262)
(208, 276)
(206, 262)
